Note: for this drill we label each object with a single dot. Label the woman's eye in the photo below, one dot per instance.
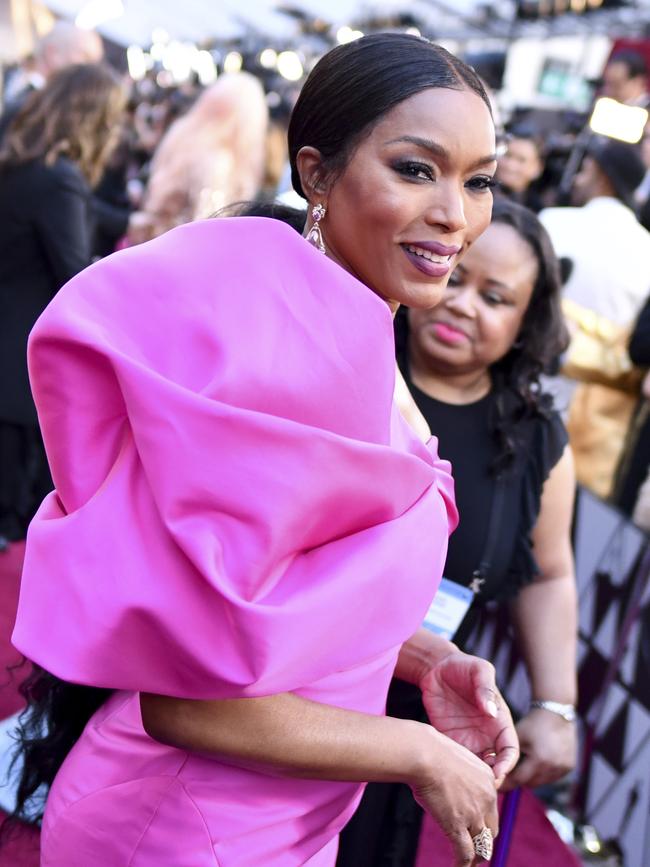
(482, 182)
(493, 299)
(418, 171)
(454, 279)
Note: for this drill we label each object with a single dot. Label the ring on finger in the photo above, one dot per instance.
(483, 844)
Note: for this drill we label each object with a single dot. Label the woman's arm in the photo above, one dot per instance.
(461, 698)
(545, 619)
(292, 736)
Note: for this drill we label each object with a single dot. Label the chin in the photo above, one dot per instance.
(423, 297)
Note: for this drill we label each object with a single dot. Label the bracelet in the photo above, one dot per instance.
(566, 711)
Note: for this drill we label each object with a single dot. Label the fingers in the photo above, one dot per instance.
(483, 837)
(504, 763)
(533, 772)
(463, 846)
(507, 750)
(486, 694)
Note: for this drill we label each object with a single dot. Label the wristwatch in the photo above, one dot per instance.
(566, 711)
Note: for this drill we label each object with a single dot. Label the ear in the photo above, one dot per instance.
(309, 163)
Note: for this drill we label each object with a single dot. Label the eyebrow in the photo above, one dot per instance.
(438, 150)
(497, 284)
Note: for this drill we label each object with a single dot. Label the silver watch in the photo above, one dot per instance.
(566, 711)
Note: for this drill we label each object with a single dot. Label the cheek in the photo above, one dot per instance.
(366, 207)
(499, 331)
(478, 215)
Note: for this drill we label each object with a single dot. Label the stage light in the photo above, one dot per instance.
(347, 34)
(205, 67)
(268, 58)
(290, 66)
(137, 63)
(232, 62)
(616, 120)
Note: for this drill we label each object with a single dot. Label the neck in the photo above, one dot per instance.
(449, 386)
(392, 305)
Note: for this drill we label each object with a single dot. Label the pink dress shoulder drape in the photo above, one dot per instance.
(239, 511)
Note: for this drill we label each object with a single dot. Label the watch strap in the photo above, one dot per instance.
(566, 711)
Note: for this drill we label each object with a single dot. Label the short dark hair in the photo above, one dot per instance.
(354, 85)
(543, 335)
(634, 61)
(527, 133)
(542, 338)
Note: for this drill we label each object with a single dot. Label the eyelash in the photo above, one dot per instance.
(412, 169)
(484, 182)
(490, 298)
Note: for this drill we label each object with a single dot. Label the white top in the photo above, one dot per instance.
(610, 251)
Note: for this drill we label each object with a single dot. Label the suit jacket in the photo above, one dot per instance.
(44, 241)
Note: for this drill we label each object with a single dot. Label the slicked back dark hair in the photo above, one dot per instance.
(353, 86)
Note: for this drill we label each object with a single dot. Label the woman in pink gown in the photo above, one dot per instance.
(245, 533)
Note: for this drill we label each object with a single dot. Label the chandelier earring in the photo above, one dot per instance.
(315, 236)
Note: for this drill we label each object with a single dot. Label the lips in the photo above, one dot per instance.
(434, 247)
(430, 257)
(449, 334)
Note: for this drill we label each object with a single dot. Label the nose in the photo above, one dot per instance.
(447, 207)
(460, 300)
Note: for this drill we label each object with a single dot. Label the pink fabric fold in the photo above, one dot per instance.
(239, 510)
(228, 496)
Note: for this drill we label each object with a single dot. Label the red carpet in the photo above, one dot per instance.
(21, 847)
(11, 562)
(534, 841)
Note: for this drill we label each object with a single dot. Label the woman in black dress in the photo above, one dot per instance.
(472, 365)
(53, 153)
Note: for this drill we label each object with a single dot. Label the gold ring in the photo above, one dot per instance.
(483, 844)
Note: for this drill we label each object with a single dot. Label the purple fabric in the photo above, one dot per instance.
(239, 511)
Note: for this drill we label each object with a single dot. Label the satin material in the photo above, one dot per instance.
(239, 511)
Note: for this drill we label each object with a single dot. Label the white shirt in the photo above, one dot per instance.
(610, 251)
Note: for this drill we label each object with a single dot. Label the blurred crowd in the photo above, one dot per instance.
(92, 162)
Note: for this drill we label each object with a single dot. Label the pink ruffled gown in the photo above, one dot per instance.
(239, 511)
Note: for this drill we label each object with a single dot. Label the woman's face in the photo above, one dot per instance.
(482, 308)
(414, 196)
(520, 165)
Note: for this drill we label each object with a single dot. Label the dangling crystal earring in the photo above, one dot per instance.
(315, 236)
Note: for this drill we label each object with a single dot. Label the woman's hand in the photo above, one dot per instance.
(462, 701)
(549, 749)
(458, 790)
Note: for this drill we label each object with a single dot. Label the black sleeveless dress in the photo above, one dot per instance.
(385, 829)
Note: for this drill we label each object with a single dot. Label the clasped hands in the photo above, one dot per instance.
(463, 702)
(478, 751)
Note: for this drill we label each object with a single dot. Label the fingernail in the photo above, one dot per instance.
(491, 708)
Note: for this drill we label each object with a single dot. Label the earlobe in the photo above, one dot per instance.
(309, 163)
